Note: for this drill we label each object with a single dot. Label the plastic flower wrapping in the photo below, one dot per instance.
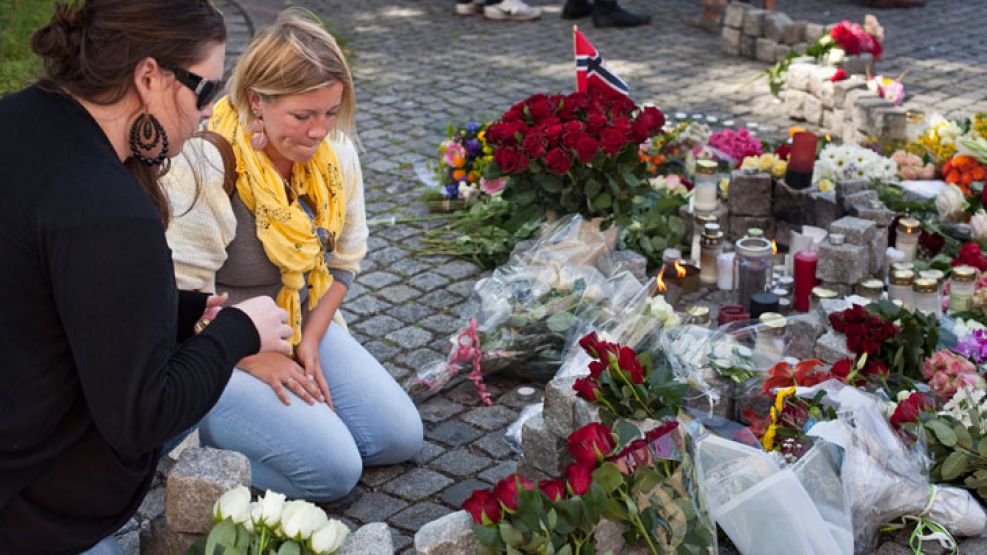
(522, 315)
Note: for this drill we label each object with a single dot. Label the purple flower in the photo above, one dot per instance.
(472, 127)
(973, 346)
(452, 191)
(474, 147)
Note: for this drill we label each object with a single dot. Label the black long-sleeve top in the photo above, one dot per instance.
(96, 368)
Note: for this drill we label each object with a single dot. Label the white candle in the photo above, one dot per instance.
(724, 271)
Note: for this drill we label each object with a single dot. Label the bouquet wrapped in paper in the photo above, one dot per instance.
(521, 316)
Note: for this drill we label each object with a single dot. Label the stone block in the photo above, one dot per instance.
(794, 33)
(813, 31)
(371, 538)
(876, 212)
(773, 26)
(162, 539)
(858, 65)
(831, 347)
(781, 52)
(794, 103)
(864, 198)
(747, 46)
(825, 93)
(753, 22)
(842, 263)
(892, 123)
(740, 224)
(749, 194)
(733, 15)
(612, 263)
(802, 331)
(793, 205)
(800, 47)
(829, 120)
(841, 88)
(818, 76)
(867, 114)
(609, 538)
(798, 76)
(851, 98)
(856, 230)
(877, 249)
(826, 208)
(764, 50)
(584, 412)
(449, 535)
(560, 400)
(812, 110)
(730, 41)
(849, 187)
(197, 480)
(542, 450)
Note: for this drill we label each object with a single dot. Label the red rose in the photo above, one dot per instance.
(506, 490)
(535, 145)
(500, 133)
(578, 477)
(876, 368)
(574, 127)
(652, 118)
(553, 489)
(621, 123)
(570, 140)
(613, 140)
(586, 149)
(638, 133)
(909, 409)
(842, 369)
(557, 161)
(596, 122)
(840, 75)
(554, 134)
(510, 159)
(877, 50)
(783, 150)
(510, 115)
(662, 430)
(586, 388)
(540, 109)
(844, 36)
(590, 343)
(596, 368)
(591, 443)
(627, 360)
(482, 504)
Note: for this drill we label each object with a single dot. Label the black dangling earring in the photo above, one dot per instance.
(145, 136)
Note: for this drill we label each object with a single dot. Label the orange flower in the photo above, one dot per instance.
(459, 175)
(458, 162)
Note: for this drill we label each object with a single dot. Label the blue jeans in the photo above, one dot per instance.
(108, 546)
(308, 451)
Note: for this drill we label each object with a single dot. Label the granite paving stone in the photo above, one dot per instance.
(374, 507)
(494, 445)
(416, 516)
(438, 409)
(398, 294)
(416, 484)
(490, 418)
(456, 494)
(378, 326)
(428, 452)
(452, 433)
(461, 463)
(409, 337)
(496, 473)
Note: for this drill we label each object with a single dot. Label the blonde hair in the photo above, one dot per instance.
(295, 55)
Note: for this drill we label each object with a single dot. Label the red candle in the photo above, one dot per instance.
(801, 160)
(805, 279)
(731, 313)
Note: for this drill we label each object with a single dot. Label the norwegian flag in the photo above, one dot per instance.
(590, 68)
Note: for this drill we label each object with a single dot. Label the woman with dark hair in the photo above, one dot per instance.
(101, 359)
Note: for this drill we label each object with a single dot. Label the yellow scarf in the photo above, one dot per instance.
(287, 232)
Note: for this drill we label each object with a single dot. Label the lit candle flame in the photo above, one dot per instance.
(662, 288)
(679, 269)
(774, 247)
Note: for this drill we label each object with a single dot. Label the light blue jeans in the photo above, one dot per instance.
(108, 546)
(308, 451)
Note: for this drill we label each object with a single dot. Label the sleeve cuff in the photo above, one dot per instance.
(343, 276)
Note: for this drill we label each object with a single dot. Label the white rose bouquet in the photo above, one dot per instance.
(271, 525)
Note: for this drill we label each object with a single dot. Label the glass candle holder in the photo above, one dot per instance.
(763, 302)
(705, 186)
(753, 268)
(870, 288)
(724, 271)
(907, 237)
(771, 335)
(915, 125)
(700, 219)
(961, 286)
(925, 296)
(710, 247)
(900, 287)
(820, 294)
(805, 279)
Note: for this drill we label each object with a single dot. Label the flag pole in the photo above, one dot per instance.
(575, 56)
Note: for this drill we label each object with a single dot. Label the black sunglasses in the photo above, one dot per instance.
(205, 89)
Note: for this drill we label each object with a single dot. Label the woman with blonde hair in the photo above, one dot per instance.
(300, 235)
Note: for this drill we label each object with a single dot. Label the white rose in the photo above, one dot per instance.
(978, 224)
(301, 519)
(949, 132)
(951, 202)
(327, 539)
(254, 511)
(836, 55)
(234, 504)
(271, 506)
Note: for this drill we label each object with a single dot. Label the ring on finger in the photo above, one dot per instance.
(288, 381)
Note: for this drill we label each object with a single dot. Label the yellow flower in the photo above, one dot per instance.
(766, 162)
(768, 439)
(724, 186)
(793, 130)
(779, 168)
(750, 163)
(482, 135)
(825, 185)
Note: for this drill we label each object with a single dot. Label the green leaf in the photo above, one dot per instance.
(593, 188)
(510, 534)
(608, 477)
(676, 227)
(560, 321)
(486, 536)
(962, 435)
(976, 480)
(223, 533)
(954, 465)
(290, 548)
(943, 432)
(565, 550)
(602, 201)
(626, 432)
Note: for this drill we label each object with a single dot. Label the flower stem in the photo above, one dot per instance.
(634, 391)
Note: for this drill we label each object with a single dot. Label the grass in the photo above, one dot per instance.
(18, 21)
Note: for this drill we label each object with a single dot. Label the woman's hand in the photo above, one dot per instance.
(307, 354)
(214, 303)
(280, 372)
(270, 320)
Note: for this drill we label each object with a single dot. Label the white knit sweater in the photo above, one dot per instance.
(198, 236)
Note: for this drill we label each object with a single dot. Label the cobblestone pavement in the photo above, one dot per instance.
(419, 68)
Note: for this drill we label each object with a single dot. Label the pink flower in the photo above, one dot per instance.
(455, 153)
(494, 186)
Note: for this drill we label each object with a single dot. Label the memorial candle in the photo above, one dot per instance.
(805, 279)
(801, 160)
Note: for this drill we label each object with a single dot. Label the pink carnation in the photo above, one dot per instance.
(494, 186)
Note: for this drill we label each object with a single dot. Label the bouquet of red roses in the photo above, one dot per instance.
(575, 153)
